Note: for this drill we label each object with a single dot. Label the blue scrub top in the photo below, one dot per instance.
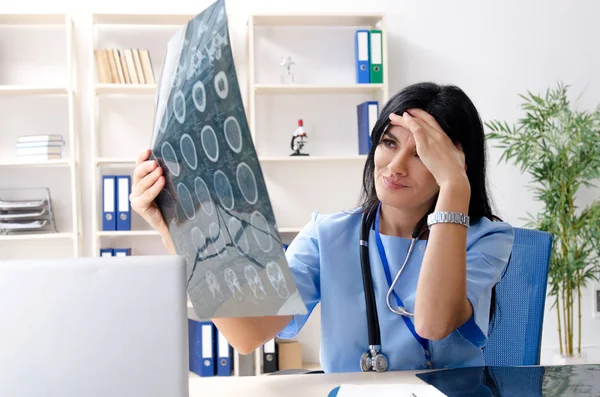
(325, 263)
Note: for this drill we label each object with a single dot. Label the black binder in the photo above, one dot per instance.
(270, 357)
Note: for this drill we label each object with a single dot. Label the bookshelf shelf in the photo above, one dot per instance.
(125, 89)
(262, 159)
(41, 236)
(317, 88)
(42, 163)
(33, 19)
(311, 158)
(8, 90)
(127, 233)
(142, 19)
(316, 20)
(115, 161)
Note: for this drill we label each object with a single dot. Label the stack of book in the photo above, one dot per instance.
(129, 66)
(39, 147)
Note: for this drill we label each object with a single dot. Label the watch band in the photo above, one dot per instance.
(447, 217)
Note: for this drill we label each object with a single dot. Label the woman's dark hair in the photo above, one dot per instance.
(458, 117)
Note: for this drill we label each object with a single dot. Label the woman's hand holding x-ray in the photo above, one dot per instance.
(148, 181)
(444, 159)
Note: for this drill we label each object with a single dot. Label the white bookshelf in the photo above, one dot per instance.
(103, 161)
(299, 185)
(66, 89)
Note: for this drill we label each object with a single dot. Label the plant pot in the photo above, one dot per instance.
(561, 359)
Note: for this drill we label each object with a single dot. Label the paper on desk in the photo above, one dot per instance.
(384, 390)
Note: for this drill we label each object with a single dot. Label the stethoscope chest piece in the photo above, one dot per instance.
(373, 360)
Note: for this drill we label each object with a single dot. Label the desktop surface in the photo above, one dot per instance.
(313, 385)
(535, 381)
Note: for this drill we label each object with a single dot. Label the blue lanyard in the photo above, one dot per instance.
(423, 342)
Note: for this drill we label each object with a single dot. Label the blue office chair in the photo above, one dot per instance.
(515, 333)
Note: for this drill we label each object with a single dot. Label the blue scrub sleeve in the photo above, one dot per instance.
(304, 261)
(488, 253)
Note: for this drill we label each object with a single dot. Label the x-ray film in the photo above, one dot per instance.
(215, 200)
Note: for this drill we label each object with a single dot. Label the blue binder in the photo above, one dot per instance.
(201, 347)
(122, 251)
(106, 252)
(361, 50)
(224, 356)
(109, 195)
(123, 204)
(367, 114)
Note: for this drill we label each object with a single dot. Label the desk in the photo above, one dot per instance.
(314, 385)
(534, 381)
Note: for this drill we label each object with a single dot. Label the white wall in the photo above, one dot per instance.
(492, 50)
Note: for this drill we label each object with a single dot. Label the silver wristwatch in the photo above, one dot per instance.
(447, 217)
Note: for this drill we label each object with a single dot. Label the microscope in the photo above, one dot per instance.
(299, 139)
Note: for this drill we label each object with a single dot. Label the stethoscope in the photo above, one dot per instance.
(374, 359)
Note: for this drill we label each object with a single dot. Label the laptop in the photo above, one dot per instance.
(94, 327)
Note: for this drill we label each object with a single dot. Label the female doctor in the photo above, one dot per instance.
(406, 280)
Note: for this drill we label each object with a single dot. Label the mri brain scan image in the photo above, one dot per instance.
(233, 284)
(213, 286)
(277, 279)
(215, 201)
(254, 282)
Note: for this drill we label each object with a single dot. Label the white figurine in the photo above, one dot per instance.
(287, 77)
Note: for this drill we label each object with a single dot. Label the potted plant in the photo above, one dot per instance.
(560, 149)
